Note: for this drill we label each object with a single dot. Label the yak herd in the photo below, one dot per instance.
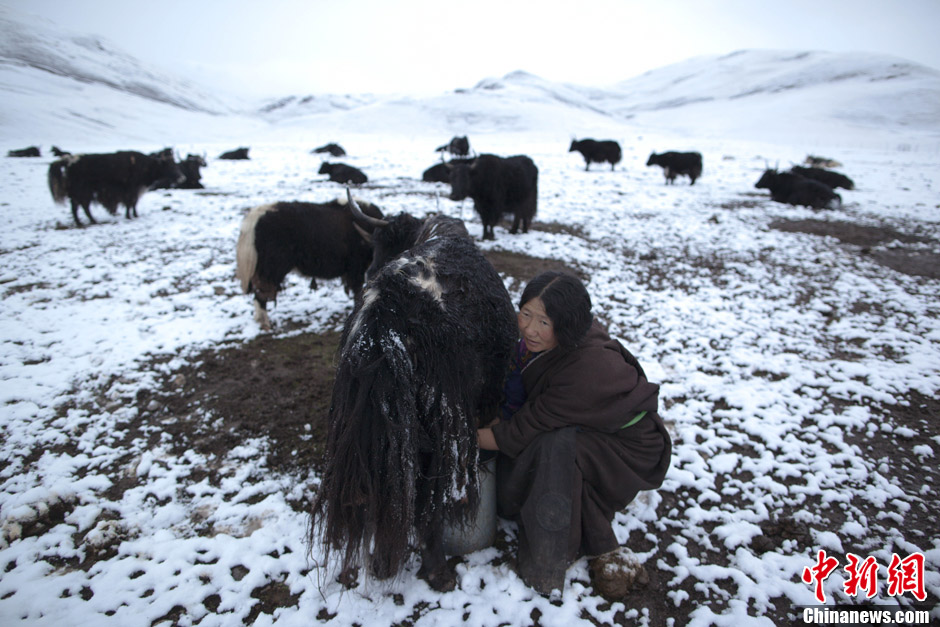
(401, 453)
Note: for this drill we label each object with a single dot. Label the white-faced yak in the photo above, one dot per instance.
(675, 163)
(421, 364)
(498, 186)
(110, 179)
(597, 151)
(318, 240)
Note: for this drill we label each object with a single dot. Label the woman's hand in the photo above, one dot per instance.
(486, 440)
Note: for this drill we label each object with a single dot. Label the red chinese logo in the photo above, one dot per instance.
(904, 575)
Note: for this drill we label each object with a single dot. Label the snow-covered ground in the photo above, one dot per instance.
(752, 332)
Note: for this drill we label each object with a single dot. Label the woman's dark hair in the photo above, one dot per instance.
(567, 303)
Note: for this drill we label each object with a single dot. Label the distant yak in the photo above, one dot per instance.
(793, 189)
(32, 151)
(238, 153)
(110, 179)
(342, 173)
(498, 186)
(333, 149)
(457, 147)
(830, 177)
(675, 163)
(594, 151)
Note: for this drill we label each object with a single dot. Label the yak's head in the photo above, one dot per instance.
(325, 168)
(388, 237)
(575, 144)
(767, 180)
(459, 180)
(653, 160)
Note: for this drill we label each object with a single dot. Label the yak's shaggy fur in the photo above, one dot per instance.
(111, 180)
(675, 163)
(421, 363)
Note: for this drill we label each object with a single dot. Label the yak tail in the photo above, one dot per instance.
(57, 180)
(246, 253)
(401, 452)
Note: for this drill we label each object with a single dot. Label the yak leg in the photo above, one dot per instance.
(261, 313)
(86, 206)
(515, 224)
(75, 213)
(313, 283)
(434, 568)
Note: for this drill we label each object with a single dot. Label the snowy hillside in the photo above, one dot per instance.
(60, 87)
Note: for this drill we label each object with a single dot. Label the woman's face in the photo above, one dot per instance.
(536, 327)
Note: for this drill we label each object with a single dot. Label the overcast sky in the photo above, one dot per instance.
(280, 47)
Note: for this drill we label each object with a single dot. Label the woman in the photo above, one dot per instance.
(580, 435)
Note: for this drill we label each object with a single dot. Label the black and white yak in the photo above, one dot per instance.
(110, 179)
(498, 185)
(793, 189)
(830, 177)
(421, 364)
(594, 151)
(342, 173)
(318, 240)
(675, 163)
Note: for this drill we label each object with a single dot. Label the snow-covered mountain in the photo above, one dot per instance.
(64, 88)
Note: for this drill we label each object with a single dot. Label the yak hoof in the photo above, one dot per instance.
(261, 317)
(442, 580)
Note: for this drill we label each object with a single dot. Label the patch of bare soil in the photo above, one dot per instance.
(899, 258)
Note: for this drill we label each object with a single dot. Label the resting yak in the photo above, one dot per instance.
(830, 177)
(594, 151)
(32, 151)
(676, 163)
(793, 189)
(421, 362)
(497, 186)
(319, 241)
(342, 173)
(111, 179)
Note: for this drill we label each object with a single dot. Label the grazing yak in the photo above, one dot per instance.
(238, 153)
(111, 179)
(342, 173)
(333, 149)
(457, 147)
(793, 189)
(58, 152)
(676, 163)
(318, 240)
(498, 186)
(829, 177)
(32, 151)
(420, 366)
(593, 151)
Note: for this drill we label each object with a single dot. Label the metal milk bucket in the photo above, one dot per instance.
(478, 531)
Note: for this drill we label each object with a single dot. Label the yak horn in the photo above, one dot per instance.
(360, 218)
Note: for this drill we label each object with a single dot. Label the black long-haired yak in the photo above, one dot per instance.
(110, 179)
(421, 363)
